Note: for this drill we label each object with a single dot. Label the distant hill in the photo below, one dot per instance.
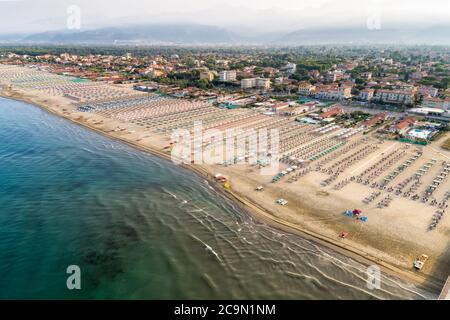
(170, 34)
(436, 35)
(193, 34)
(11, 37)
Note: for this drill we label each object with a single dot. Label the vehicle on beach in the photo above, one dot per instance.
(420, 262)
(260, 188)
(282, 202)
(220, 178)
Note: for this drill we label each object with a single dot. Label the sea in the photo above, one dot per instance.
(139, 227)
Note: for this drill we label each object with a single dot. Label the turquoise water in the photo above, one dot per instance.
(142, 228)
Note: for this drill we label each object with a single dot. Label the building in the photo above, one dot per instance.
(404, 87)
(366, 94)
(376, 119)
(306, 89)
(366, 75)
(431, 102)
(334, 76)
(395, 96)
(270, 71)
(279, 80)
(403, 126)
(153, 73)
(430, 112)
(263, 83)
(333, 92)
(227, 76)
(345, 92)
(248, 83)
(306, 107)
(208, 75)
(333, 111)
(222, 63)
(428, 91)
(290, 68)
(260, 83)
(280, 107)
(418, 75)
(323, 91)
(314, 73)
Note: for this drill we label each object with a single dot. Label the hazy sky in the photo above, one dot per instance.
(256, 15)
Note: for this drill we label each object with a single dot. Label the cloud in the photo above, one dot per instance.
(258, 15)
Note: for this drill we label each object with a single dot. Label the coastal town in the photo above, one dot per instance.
(397, 78)
(362, 131)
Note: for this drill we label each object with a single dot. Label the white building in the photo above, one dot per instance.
(227, 76)
(366, 94)
(248, 83)
(432, 102)
(334, 76)
(333, 92)
(290, 67)
(395, 96)
(432, 113)
(261, 83)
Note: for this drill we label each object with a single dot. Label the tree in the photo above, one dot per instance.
(204, 84)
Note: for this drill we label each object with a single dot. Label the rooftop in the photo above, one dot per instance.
(426, 110)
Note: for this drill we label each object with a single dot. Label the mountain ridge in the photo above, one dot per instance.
(183, 34)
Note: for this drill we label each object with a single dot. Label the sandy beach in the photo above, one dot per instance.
(392, 237)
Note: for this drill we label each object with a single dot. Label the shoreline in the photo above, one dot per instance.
(251, 207)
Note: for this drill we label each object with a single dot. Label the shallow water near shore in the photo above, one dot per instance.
(140, 227)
